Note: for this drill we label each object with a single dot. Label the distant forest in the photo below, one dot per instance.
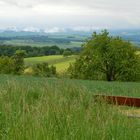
(9, 50)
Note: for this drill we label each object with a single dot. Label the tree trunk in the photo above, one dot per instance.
(110, 76)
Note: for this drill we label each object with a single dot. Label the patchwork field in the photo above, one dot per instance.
(42, 44)
(34, 108)
(41, 40)
(61, 63)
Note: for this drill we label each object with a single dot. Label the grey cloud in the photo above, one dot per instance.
(117, 4)
(119, 7)
(119, 12)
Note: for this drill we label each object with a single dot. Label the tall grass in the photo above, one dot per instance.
(31, 110)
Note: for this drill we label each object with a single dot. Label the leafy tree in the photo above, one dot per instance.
(18, 59)
(107, 57)
(6, 65)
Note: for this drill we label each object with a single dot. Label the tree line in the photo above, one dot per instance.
(12, 59)
(9, 50)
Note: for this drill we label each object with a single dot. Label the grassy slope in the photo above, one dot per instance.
(59, 61)
(49, 109)
(93, 87)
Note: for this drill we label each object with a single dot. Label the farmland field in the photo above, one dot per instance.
(34, 108)
(61, 63)
(62, 40)
(40, 39)
(42, 44)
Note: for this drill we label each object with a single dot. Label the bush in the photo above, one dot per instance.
(18, 59)
(12, 65)
(6, 65)
(43, 69)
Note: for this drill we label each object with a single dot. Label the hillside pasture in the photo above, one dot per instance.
(48, 109)
(61, 63)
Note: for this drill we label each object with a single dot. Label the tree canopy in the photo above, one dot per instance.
(106, 57)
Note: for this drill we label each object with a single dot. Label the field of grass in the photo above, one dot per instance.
(61, 63)
(34, 108)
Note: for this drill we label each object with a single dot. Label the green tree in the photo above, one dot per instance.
(18, 59)
(107, 57)
(6, 65)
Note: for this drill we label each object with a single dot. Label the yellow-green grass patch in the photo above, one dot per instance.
(61, 63)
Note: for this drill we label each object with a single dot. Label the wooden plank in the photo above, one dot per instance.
(121, 100)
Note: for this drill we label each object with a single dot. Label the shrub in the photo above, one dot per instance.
(12, 65)
(18, 59)
(6, 65)
(43, 69)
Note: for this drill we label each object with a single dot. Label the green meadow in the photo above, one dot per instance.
(39, 108)
(61, 63)
(33, 108)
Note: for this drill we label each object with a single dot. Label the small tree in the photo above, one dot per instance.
(19, 61)
(106, 57)
(6, 65)
(43, 69)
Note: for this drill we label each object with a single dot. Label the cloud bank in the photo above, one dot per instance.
(96, 13)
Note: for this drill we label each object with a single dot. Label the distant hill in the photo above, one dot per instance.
(66, 39)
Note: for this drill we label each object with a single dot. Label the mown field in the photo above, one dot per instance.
(34, 108)
(61, 63)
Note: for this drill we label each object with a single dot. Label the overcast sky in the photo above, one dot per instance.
(79, 14)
